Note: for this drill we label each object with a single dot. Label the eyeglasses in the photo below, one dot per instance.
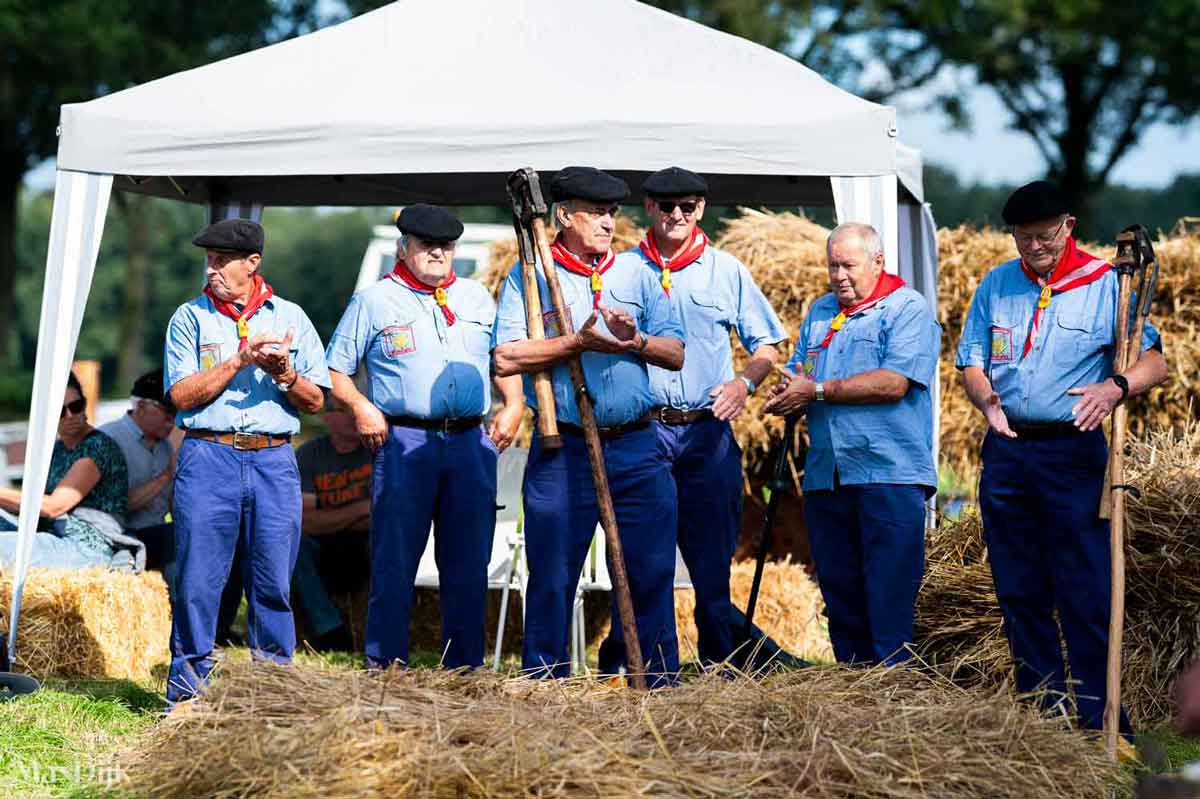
(1044, 239)
(74, 408)
(687, 206)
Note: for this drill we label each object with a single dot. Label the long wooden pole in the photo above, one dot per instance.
(1124, 356)
(587, 418)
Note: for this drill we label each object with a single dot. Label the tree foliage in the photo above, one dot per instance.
(1081, 78)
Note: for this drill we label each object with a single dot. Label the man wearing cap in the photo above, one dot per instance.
(241, 364)
(142, 436)
(1036, 357)
(623, 323)
(712, 294)
(863, 369)
(424, 335)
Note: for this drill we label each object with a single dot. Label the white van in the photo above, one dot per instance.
(470, 256)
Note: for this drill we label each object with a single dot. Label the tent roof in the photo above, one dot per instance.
(438, 99)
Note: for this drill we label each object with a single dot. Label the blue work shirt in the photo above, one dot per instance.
(710, 297)
(417, 364)
(888, 442)
(200, 337)
(619, 384)
(1074, 346)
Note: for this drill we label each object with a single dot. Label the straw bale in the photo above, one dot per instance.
(959, 626)
(90, 623)
(268, 731)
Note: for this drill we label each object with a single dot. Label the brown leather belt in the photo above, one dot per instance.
(609, 433)
(458, 425)
(241, 440)
(675, 416)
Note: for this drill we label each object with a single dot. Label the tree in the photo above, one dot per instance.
(76, 50)
(1081, 78)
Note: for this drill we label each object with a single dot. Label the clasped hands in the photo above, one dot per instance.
(620, 324)
(792, 394)
(272, 354)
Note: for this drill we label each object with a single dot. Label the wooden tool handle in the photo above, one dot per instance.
(587, 418)
(543, 391)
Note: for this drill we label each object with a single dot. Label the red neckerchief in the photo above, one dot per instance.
(1076, 268)
(403, 275)
(567, 260)
(886, 284)
(687, 255)
(260, 292)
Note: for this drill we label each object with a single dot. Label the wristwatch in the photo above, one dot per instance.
(643, 342)
(819, 392)
(1122, 384)
(750, 387)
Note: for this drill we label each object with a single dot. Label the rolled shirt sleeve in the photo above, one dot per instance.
(181, 357)
(350, 338)
(975, 342)
(757, 322)
(913, 341)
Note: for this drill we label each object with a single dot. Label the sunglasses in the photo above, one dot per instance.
(74, 407)
(668, 206)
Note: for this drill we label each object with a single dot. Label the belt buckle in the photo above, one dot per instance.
(662, 414)
(243, 440)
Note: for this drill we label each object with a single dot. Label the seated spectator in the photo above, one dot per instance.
(83, 513)
(142, 436)
(335, 484)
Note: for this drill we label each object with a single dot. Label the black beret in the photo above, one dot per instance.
(587, 183)
(674, 182)
(429, 222)
(231, 235)
(1034, 202)
(150, 386)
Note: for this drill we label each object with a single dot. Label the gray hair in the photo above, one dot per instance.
(868, 238)
(564, 204)
(402, 245)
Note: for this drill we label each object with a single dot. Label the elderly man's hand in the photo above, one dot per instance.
(1098, 401)
(996, 418)
(274, 358)
(371, 425)
(790, 396)
(254, 345)
(592, 340)
(505, 426)
(729, 399)
(620, 323)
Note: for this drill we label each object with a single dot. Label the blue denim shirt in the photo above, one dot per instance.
(1073, 348)
(711, 297)
(888, 442)
(417, 365)
(619, 384)
(200, 337)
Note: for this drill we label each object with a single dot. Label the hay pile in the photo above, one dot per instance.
(90, 624)
(269, 731)
(959, 624)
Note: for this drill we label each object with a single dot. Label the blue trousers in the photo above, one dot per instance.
(706, 467)
(868, 546)
(449, 480)
(223, 496)
(1049, 549)
(560, 519)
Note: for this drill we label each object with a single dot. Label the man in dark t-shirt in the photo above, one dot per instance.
(335, 485)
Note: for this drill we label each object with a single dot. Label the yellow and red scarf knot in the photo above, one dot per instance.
(886, 284)
(1076, 268)
(688, 255)
(567, 260)
(403, 275)
(260, 292)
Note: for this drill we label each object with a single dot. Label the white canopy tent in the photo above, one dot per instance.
(438, 100)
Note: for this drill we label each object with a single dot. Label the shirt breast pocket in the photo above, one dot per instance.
(476, 331)
(397, 339)
(864, 354)
(709, 317)
(1078, 336)
(630, 301)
